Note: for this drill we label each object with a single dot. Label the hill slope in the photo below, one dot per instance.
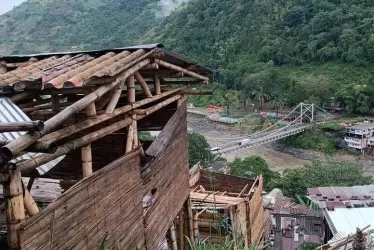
(280, 50)
(52, 25)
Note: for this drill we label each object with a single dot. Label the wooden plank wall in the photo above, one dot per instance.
(168, 173)
(222, 182)
(256, 215)
(108, 204)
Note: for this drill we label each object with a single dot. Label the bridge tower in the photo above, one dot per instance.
(306, 112)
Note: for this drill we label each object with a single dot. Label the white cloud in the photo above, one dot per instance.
(167, 6)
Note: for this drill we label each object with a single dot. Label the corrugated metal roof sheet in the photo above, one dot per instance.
(346, 220)
(9, 112)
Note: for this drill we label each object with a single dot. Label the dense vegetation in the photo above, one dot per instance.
(284, 51)
(61, 25)
(294, 182)
(199, 150)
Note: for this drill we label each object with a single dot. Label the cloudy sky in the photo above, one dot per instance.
(7, 5)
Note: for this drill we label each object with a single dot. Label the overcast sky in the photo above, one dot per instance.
(7, 5)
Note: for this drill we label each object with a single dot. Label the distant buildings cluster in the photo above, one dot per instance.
(361, 136)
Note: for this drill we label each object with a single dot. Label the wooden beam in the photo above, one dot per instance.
(180, 69)
(130, 138)
(21, 126)
(70, 130)
(14, 206)
(135, 128)
(151, 66)
(143, 84)
(103, 101)
(29, 165)
(37, 147)
(86, 152)
(181, 229)
(26, 140)
(29, 203)
(20, 96)
(115, 98)
(243, 190)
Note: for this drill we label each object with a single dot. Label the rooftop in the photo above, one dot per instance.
(361, 126)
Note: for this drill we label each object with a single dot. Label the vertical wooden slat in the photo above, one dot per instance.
(173, 237)
(181, 229)
(196, 227)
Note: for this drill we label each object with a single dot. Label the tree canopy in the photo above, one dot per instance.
(199, 150)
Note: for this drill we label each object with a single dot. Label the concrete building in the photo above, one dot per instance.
(360, 136)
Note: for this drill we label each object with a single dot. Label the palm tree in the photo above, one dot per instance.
(278, 102)
(261, 96)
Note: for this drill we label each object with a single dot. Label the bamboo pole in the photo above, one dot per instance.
(181, 229)
(162, 104)
(115, 98)
(21, 126)
(70, 130)
(26, 140)
(103, 101)
(131, 89)
(143, 84)
(243, 190)
(34, 103)
(173, 237)
(196, 227)
(180, 69)
(180, 101)
(56, 103)
(30, 205)
(190, 219)
(86, 152)
(29, 165)
(14, 207)
(151, 66)
(86, 155)
(37, 147)
(157, 83)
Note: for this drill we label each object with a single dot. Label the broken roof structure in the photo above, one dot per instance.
(75, 117)
(216, 197)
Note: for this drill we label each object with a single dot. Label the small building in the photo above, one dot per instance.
(357, 135)
(344, 208)
(227, 206)
(293, 223)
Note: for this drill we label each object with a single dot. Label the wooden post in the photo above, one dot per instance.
(14, 207)
(130, 138)
(196, 227)
(181, 229)
(29, 203)
(157, 82)
(186, 226)
(173, 237)
(233, 228)
(180, 101)
(190, 219)
(131, 89)
(56, 103)
(135, 131)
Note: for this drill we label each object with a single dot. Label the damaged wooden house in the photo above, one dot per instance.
(74, 118)
(227, 207)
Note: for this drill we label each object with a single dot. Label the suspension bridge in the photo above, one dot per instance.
(306, 117)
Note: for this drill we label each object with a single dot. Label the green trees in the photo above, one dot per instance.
(251, 167)
(199, 150)
(357, 97)
(321, 174)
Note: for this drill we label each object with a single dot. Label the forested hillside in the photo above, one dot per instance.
(55, 25)
(284, 51)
